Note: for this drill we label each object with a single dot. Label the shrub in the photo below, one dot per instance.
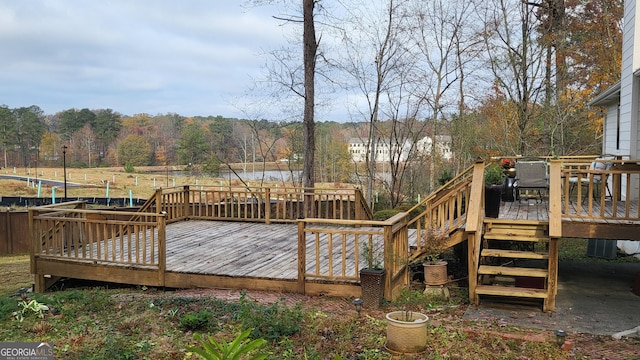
(493, 175)
(272, 322)
(196, 321)
(382, 215)
(128, 168)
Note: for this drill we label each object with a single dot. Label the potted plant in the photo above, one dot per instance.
(493, 184)
(406, 332)
(508, 168)
(372, 277)
(435, 269)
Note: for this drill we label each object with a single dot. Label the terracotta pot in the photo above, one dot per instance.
(435, 273)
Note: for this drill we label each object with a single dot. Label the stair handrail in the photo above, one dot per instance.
(444, 210)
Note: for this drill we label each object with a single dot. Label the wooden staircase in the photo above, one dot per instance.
(516, 261)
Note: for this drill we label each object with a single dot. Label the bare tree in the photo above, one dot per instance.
(515, 58)
(374, 49)
(439, 27)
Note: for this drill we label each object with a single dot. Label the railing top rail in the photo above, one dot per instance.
(271, 188)
(60, 205)
(466, 173)
(398, 218)
(98, 212)
(545, 157)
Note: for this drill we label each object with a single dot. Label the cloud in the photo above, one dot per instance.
(189, 57)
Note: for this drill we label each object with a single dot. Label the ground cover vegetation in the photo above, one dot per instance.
(92, 320)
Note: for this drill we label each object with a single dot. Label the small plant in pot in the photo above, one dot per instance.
(372, 277)
(435, 269)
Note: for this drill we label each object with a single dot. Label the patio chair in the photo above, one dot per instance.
(597, 178)
(531, 175)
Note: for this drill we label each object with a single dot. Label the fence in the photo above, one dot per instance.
(14, 234)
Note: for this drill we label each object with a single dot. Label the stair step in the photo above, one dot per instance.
(514, 254)
(514, 237)
(511, 291)
(516, 228)
(511, 271)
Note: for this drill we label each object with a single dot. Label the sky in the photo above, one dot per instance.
(195, 57)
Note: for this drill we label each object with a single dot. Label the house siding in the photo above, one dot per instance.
(627, 85)
(610, 130)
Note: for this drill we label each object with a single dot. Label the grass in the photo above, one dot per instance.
(15, 273)
(142, 183)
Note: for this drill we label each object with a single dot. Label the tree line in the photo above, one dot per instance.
(498, 76)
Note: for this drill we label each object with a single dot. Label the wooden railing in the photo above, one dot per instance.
(262, 204)
(338, 250)
(588, 194)
(443, 212)
(60, 232)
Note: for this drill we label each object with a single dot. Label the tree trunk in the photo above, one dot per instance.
(310, 49)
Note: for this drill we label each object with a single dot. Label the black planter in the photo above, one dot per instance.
(492, 195)
(372, 284)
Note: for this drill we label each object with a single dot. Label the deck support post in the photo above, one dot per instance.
(552, 280)
(473, 250)
(302, 256)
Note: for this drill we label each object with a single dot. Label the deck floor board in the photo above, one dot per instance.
(250, 249)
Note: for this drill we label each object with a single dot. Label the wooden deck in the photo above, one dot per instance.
(539, 211)
(245, 250)
(189, 237)
(524, 210)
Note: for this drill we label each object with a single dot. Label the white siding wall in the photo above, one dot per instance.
(628, 87)
(610, 130)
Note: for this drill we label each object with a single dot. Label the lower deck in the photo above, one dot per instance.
(227, 254)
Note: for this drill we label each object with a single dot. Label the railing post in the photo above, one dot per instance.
(358, 205)
(302, 256)
(33, 247)
(389, 263)
(158, 200)
(162, 247)
(555, 199)
(186, 202)
(475, 218)
(267, 205)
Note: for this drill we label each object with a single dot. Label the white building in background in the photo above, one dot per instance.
(359, 148)
(443, 146)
